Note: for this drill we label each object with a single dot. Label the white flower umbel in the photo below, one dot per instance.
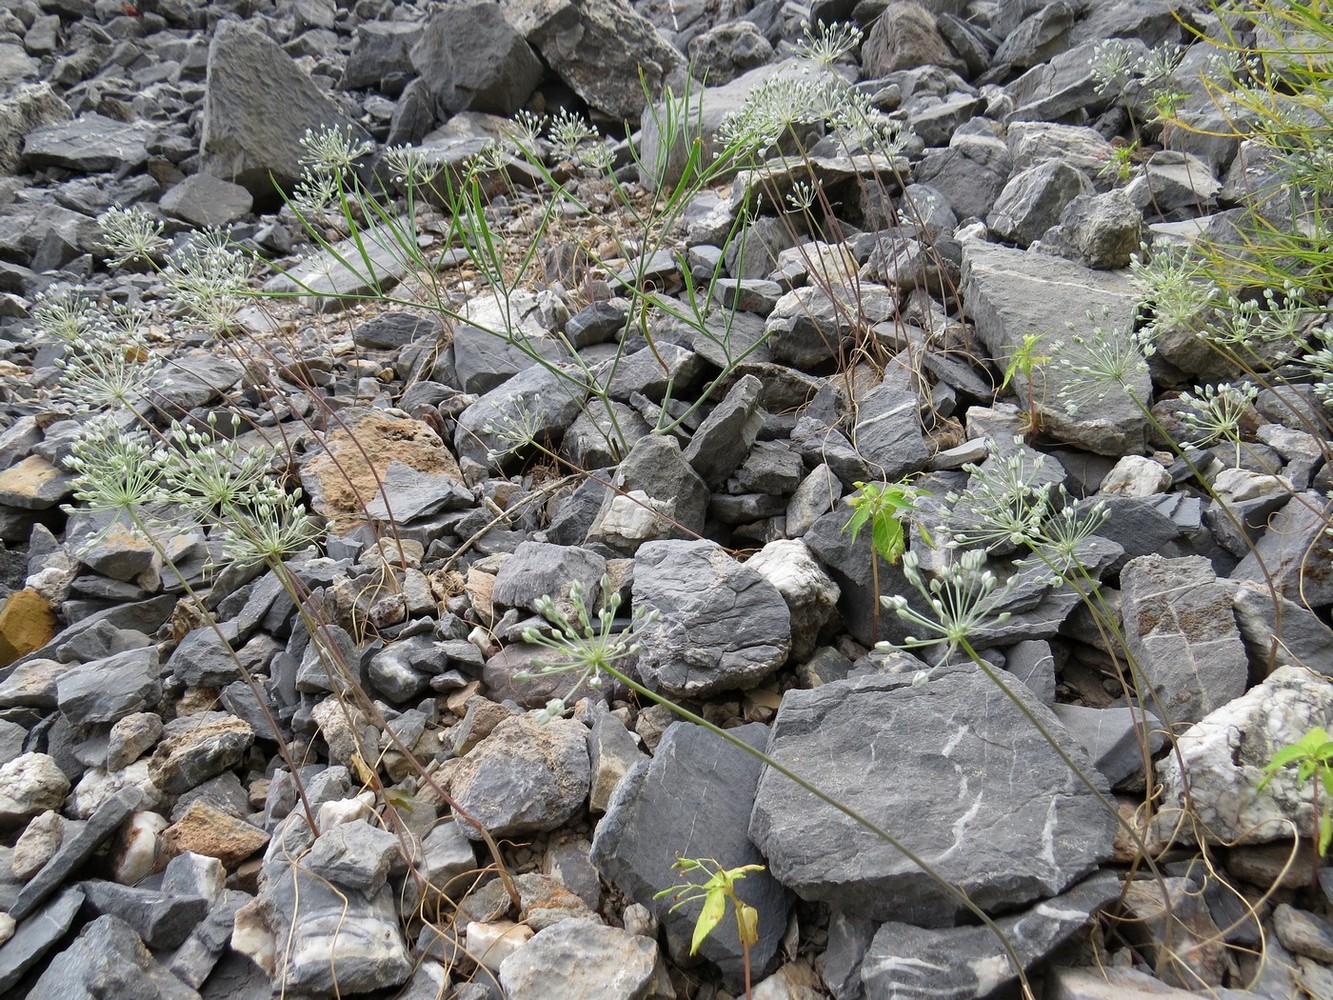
(1216, 413)
(100, 373)
(332, 150)
(1063, 533)
(209, 280)
(407, 166)
(581, 646)
(116, 471)
(1001, 507)
(828, 43)
(773, 110)
(1320, 364)
(960, 599)
(270, 529)
(130, 235)
(1103, 367)
(567, 132)
(209, 476)
(65, 313)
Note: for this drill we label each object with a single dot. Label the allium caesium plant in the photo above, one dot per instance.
(107, 372)
(116, 471)
(960, 598)
(209, 279)
(65, 313)
(130, 235)
(1216, 413)
(582, 646)
(828, 43)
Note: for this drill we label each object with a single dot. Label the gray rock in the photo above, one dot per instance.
(524, 777)
(110, 688)
(162, 920)
(204, 658)
(483, 359)
(37, 935)
(473, 59)
(928, 766)
(407, 494)
(204, 200)
(1174, 185)
(380, 57)
(257, 105)
(612, 752)
(108, 959)
(1109, 983)
(960, 963)
(970, 173)
(1295, 554)
(1181, 632)
(807, 327)
(399, 671)
(1009, 293)
(89, 144)
(771, 468)
(1280, 632)
(391, 330)
(586, 960)
(810, 593)
(818, 493)
(75, 848)
(445, 854)
(1121, 740)
(194, 961)
(723, 626)
(1224, 755)
(605, 51)
(355, 855)
(1064, 87)
(1039, 37)
(902, 37)
(1170, 925)
(539, 569)
(34, 484)
(658, 496)
(1035, 199)
(1033, 142)
(887, 433)
(591, 441)
(1032, 662)
(727, 50)
(548, 405)
(24, 109)
(197, 747)
(1101, 231)
(725, 437)
(348, 942)
(694, 797)
(336, 276)
(1303, 933)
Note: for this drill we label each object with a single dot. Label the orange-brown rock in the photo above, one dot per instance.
(208, 831)
(27, 623)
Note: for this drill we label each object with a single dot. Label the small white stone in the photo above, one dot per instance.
(491, 943)
(342, 811)
(1135, 476)
(7, 925)
(138, 848)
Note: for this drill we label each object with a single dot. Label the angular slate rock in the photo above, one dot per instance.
(1279, 632)
(1225, 753)
(89, 144)
(257, 105)
(391, 330)
(111, 688)
(1115, 737)
(1010, 293)
(723, 626)
(602, 49)
(539, 569)
(473, 59)
(1034, 199)
(887, 433)
(659, 496)
(547, 405)
(726, 435)
(108, 959)
(1295, 554)
(961, 963)
(1180, 629)
(935, 766)
(37, 935)
(692, 799)
(204, 200)
(162, 920)
(197, 747)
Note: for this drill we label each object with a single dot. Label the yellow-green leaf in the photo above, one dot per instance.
(747, 923)
(715, 907)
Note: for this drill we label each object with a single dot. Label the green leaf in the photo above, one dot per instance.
(1325, 832)
(857, 521)
(715, 907)
(887, 534)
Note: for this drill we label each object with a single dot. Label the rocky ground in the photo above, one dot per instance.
(154, 843)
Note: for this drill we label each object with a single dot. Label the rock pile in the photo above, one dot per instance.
(303, 780)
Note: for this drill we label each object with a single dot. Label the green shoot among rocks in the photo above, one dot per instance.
(885, 507)
(1312, 756)
(717, 892)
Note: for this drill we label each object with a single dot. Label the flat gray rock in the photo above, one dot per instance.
(1010, 293)
(108, 959)
(723, 626)
(586, 960)
(105, 690)
(935, 766)
(961, 963)
(89, 144)
(1180, 629)
(691, 799)
(37, 935)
